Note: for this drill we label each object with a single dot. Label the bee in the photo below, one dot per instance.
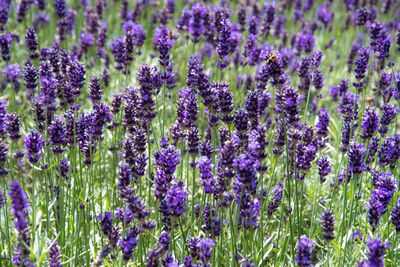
(272, 59)
(369, 99)
(171, 35)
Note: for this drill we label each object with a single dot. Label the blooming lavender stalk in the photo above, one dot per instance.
(389, 113)
(13, 126)
(31, 43)
(54, 255)
(33, 144)
(276, 199)
(206, 174)
(5, 45)
(370, 123)
(3, 158)
(323, 122)
(376, 253)
(223, 44)
(19, 208)
(324, 168)
(395, 215)
(304, 251)
(328, 224)
(205, 247)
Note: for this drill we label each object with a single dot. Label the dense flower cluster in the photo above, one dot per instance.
(199, 133)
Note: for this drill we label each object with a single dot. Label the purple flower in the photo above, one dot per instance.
(395, 215)
(276, 199)
(12, 73)
(325, 15)
(389, 113)
(361, 68)
(206, 174)
(389, 151)
(370, 123)
(223, 44)
(95, 89)
(13, 126)
(361, 16)
(323, 122)
(328, 224)
(149, 81)
(375, 209)
(3, 198)
(19, 208)
(324, 168)
(54, 255)
(372, 149)
(376, 252)
(205, 250)
(59, 7)
(57, 135)
(305, 42)
(212, 224)
(304, 251)
(128, 243)
(33, 144)
(176, 199)
(118, 50)
(31, 43)
(195, 24)
(107, 228)
(77, 73)
(31, 78)
(5, 45)
(356, 158)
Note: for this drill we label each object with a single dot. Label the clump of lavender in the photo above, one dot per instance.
(305, 248)
(19, 208)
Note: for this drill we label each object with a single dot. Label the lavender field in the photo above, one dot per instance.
(199, 133)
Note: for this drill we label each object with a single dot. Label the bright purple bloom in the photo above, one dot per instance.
(370, 123)
(206, 174)
(19, 208)
(395, 215)
(304, 251)
(176, 198)
(33, 144)
(54, 255)
(328, 225)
